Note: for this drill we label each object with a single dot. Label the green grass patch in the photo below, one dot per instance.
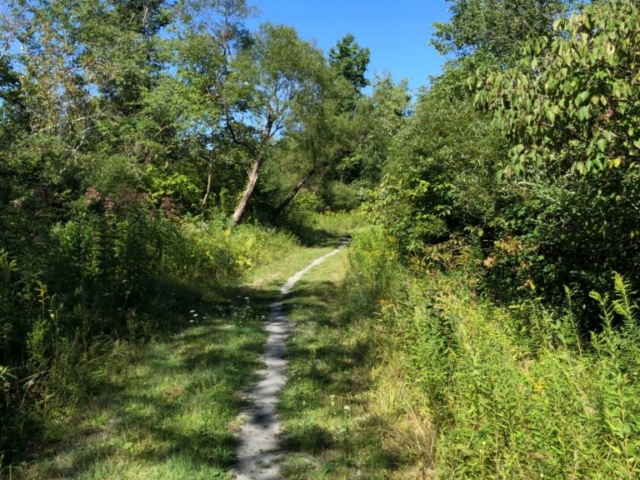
(165, 410)
(331, 431)
(168, 409)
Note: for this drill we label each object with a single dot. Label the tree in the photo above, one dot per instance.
(573, 100)
(381, 117)
(209, 38)
(569, 109)
(270, 80)
(439, 178)
(350, 61)
(496, 28)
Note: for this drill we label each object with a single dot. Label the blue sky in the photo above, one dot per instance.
(397, 32)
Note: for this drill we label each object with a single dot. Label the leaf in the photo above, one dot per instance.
(551, 116)
(583, 113)
(602, 144)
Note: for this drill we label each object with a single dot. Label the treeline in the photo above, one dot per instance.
(526, 149)
(135, 137)
(504, 276)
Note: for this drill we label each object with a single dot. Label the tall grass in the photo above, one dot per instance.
(89, 284)
(472, 390)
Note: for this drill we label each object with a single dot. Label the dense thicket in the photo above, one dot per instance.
(535, 163)
(506, 269)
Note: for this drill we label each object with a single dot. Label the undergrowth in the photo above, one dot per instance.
(84, 288)
(467, 389)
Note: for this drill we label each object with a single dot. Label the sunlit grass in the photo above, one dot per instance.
(332, 429)
(168, 409)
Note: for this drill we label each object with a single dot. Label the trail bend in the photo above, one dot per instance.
(259, 449)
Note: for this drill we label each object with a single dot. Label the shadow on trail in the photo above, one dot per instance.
(312, 236)
(328, 382)
(172, 402)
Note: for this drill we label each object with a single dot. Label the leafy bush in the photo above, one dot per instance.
(113, 271)
(372, 275)
(511, 392)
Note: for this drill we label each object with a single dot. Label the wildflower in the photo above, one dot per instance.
(92, 194)
(109, 204)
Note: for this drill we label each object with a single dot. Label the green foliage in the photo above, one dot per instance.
(496, 28)
(509, 217)
(113, 270)
(511, 392)
(569, 112)
(372, 276)
(439, 179)
(571, 104)
(350, 61)
(126, 131)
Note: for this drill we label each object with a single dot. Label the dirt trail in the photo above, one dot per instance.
(258, 453)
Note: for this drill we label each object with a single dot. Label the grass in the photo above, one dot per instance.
(168, 409)
(455, 386)
(391, 376)
(339, 397)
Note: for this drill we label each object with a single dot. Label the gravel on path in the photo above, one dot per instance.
(259, 449)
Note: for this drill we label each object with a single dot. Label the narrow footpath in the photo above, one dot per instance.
(259, 449)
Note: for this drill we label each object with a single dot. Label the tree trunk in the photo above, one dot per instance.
(208, 189)
(285, 203)
(253, 175)
(248, 190)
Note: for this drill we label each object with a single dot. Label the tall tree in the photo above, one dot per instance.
(350, 61)
(270, 80)
(211, 35)
(496, 28)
